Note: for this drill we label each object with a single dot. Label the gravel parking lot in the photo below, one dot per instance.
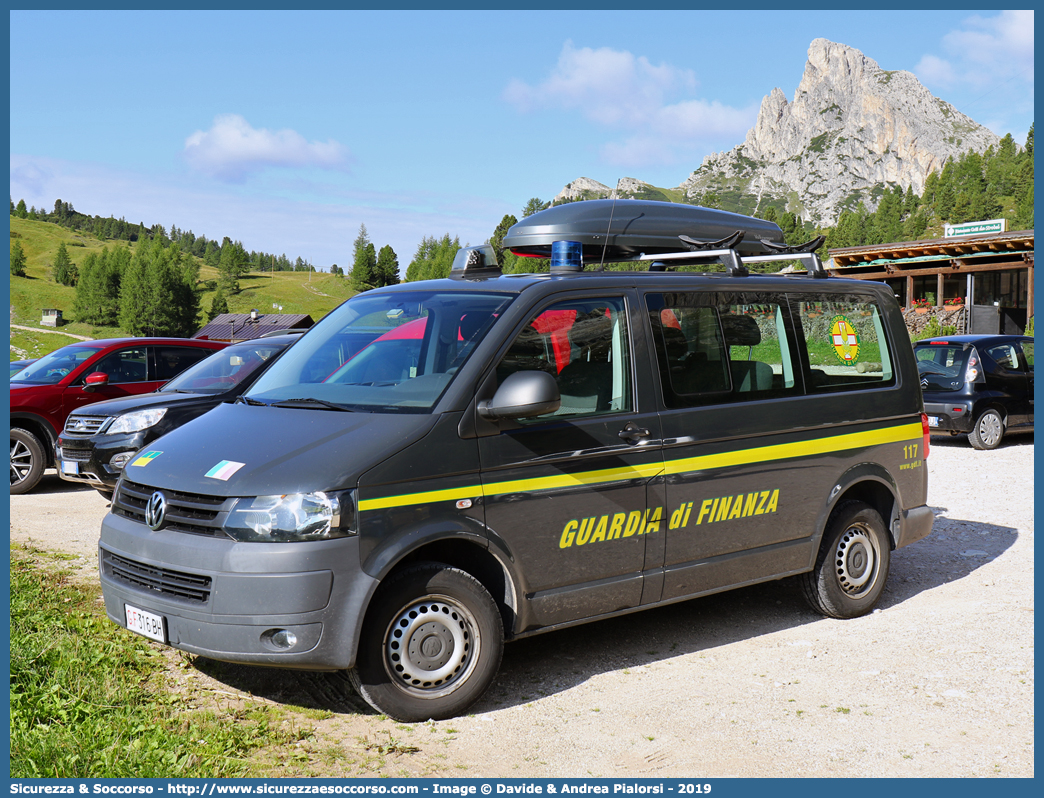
(938, 682)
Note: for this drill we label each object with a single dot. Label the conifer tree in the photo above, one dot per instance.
(155, 296)
(364, 262)
(232, 264)
(63, 269)
(17, 260)
(97, 298)
(387, 270)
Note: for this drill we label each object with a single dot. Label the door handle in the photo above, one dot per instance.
(632, 432)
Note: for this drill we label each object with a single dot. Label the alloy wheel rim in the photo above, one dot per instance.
(21, 461)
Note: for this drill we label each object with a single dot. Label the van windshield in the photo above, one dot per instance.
(394, 352)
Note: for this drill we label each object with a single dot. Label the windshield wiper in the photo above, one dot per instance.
(305, 402)
(248, 401)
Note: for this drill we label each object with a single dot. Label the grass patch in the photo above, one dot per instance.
(33, 343)
(295, 292)
(90, 700)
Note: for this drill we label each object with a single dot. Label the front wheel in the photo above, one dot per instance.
(27, 461)
(431, 644)
(852, 565)
(988, 431)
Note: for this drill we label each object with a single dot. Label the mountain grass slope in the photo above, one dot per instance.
(296, 292)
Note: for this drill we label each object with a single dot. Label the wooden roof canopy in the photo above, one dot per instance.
(987, 252)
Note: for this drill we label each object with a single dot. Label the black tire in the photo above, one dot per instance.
(431, 644)
(852, 566)
(28, 461)
(988, 430)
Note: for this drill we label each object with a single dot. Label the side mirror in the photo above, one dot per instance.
(524, 394)
(96, 380)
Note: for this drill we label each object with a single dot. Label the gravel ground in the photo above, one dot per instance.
(938, 682)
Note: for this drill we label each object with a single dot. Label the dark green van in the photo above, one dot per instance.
(438, 467)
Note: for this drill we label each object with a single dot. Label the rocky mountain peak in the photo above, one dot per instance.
(851, 127)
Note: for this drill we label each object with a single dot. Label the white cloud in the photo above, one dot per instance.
(935, 71)
(232, 149)
(984, 52)
(623, 92)
(607, 86)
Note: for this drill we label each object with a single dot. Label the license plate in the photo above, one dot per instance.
(933, 421)
(145, 623)
(70, 467)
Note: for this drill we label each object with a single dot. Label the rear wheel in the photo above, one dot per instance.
(852, 565)
(988, 430)
(27, 461)
(431, 644)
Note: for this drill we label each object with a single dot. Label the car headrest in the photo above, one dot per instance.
(740, 330)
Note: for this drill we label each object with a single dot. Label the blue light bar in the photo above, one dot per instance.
(567, 256)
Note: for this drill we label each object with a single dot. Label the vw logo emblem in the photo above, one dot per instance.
(155, 510)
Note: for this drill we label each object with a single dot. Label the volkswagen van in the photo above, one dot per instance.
(439, 467)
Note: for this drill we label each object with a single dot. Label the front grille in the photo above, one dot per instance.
(84, 425)
(171, 584)
(75, 455)
(193, 513)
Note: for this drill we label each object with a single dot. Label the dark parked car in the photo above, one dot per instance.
(46, 392)
(18, 365)
(979, 385)
(101, 439)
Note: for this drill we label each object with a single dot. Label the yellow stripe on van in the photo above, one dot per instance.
(425, 497)
(758, 454)
(785, 451)
(581, 479)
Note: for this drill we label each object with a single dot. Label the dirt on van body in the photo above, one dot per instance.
(937, 682)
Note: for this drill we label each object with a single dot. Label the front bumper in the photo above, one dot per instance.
(86, 460)
(224, 600)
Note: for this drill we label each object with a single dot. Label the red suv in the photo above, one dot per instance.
(46, 392)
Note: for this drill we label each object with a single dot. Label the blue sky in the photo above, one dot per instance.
(288, 130)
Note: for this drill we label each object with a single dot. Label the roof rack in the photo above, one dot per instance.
(735, 264)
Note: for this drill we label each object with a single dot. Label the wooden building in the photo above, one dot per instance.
(991, 274)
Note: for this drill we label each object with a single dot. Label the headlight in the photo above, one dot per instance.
(141, 419)
(293, 517)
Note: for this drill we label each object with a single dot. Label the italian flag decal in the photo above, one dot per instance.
(224, 470)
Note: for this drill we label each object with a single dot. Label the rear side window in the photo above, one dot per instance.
(170, 361)
(1027, 354)
(845, 340)
(722, 347)
(1005, 355)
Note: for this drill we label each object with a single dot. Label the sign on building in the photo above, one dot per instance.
(976, 228)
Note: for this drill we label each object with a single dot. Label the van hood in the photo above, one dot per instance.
(262, 451)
